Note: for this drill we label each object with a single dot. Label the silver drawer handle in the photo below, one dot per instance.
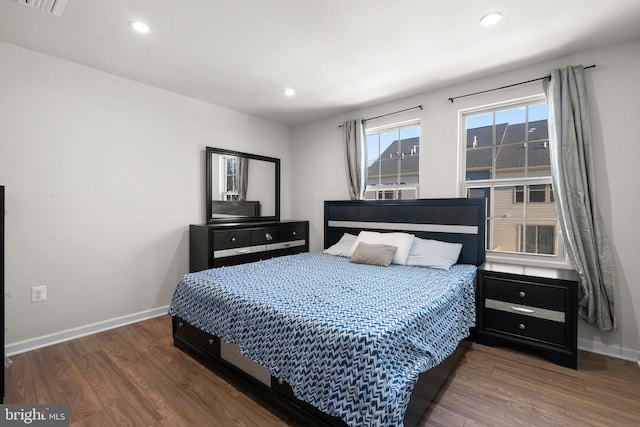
(522, 310)
(522, 294)
(233, 239)
(294, 233)
(268, 236)
(521, 326)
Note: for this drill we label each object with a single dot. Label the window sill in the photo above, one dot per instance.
(559, 261)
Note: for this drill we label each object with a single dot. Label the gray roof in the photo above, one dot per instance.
(509, 145)
(409, 163)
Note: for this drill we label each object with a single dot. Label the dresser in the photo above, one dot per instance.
(216, 245)
(529, 306)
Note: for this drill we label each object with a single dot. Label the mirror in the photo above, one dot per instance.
(241, 187)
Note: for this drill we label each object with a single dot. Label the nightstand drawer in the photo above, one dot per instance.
(525, 326)
(521, 292)
(526, 310)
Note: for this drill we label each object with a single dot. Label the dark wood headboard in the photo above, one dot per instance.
(447, 220)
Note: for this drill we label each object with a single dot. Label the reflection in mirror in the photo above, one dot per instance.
(242, 186)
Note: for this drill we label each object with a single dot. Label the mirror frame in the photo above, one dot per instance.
(209, 186)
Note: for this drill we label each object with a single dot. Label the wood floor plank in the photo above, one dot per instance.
(134, 376)
(116, 392)
(24, 380)
(66, 382)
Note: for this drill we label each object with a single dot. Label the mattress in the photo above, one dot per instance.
(350, 339)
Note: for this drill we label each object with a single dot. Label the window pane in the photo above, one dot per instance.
(510, 125)
(538, 159)
(540, 206)
(389, 143)
(510, 161)
(410, 158)
(546, 239)
(479, 163)
(538, 112)
(373, 159)
(389, 171)
(505, 235)
(540, 239)
(373, 148)
(504, 205)
(410, 132)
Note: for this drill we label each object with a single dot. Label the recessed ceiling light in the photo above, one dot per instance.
(140, 27)
(289, 92)
(491, 18)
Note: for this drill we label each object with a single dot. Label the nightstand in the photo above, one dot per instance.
(531, 306)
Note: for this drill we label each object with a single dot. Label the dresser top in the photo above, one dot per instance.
(532, 271)
(247, 224)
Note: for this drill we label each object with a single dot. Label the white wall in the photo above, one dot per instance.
(318, 163)
(103, 176)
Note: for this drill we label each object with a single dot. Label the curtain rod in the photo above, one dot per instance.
(508, 86)
(390, 114)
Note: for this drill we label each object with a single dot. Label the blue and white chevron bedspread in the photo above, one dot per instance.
(350, 339)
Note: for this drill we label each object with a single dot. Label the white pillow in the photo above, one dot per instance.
(402, 241)
(433, 253)
(343, 247)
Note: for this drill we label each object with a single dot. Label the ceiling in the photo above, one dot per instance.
(338, 55)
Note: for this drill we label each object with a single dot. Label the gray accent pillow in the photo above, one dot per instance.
(374, 254)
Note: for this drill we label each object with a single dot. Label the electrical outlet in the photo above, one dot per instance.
(38, 293)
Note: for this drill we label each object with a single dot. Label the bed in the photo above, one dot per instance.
(344, 342)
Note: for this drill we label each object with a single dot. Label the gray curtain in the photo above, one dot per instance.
(356, 157)
(574, 185)
(243, 178)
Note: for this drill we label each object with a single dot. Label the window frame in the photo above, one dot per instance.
(396, 188)
(560, 259)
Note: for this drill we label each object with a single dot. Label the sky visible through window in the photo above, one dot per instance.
(511, 116)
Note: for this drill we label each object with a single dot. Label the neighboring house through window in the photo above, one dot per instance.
(506, 159)
(393, 158)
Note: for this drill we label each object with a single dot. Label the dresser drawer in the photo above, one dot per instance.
(524, 293)
(528, 327)
(270, 235)
(229, 239)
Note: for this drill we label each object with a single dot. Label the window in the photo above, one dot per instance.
(229, 167)
(393, 158)
(506, 159)
(535, 193)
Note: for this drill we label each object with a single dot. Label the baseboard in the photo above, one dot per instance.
(69, 334)
(613, 351)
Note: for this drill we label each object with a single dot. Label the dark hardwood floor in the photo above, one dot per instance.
(134, 376)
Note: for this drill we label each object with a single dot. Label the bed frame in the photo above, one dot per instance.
(451, 220)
